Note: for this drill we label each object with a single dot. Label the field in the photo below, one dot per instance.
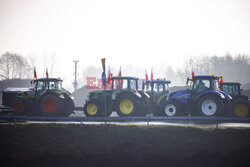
(122, 145)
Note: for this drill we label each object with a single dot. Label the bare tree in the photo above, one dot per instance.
(14, 66)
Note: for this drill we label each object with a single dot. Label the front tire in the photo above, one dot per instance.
(92, 109)
(18, 107)
(171, 109)
(210, 105)
(241, 108)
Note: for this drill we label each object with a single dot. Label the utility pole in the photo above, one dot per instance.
(75, 82)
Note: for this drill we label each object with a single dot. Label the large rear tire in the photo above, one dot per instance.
(51, 105)
(18, 107)
(172, 108)
(127, 105)
(210, 105)
(241, 108)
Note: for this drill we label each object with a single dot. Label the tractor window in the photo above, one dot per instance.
(201, 85)
(215, 85)
(148, 86)
(120, 84)
(55, 85)
(133, 84)
(236, 90)
(225, 88)
(41, 86)
(166, 88)
(160, 87)
(155, 87)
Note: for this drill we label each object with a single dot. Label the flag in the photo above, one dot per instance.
(221, 81)
(109, 76)
(35, 76)
(152, 75)
(47, 75)
(192, 75)
(146, 75)
(120, 72)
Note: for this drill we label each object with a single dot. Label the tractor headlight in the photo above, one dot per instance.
(61, 96)
(222, 96)
(230, 97)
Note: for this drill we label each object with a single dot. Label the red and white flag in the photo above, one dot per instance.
(35, 76)
(192, 75)
(47, 74)
(109, 76)
(152, 75)
(146, 77)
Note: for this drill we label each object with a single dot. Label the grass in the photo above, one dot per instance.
(130, 145)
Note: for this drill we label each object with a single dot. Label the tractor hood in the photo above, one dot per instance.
(180, 95)
(15, 90)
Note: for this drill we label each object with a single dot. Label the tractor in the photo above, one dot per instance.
(158, 91)
(46, 97)
(123, 97)
(204, 99)
(240, 102)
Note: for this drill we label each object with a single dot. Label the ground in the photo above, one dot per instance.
(123, 145)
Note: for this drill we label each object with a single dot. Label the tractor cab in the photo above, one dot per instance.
(157, 87)
(201, 84)
(231, 88)
(124, 83)
(44, 84)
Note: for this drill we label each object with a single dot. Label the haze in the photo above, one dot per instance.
(133, 33)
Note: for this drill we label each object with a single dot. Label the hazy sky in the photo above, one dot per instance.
(132, 32)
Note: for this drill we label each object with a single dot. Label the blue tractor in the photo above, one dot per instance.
(204, 99)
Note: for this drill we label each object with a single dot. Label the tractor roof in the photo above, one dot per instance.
(48, 79)
(206, 77)
(160, 81)
(123, 77)
(231, 83)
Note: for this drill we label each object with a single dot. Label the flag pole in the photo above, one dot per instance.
(104, 83)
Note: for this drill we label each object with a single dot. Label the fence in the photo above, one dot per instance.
(147, 119)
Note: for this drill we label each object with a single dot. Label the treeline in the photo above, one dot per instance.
(232, 68)
(14, 66)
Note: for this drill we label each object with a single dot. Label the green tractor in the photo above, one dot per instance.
(158, 91)
(124, 98)
(241, 104)
(47, 98)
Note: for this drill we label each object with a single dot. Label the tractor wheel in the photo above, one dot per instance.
(92, 109)
(126, 105)
(68, 106)
(241, 108)
(51, 105)
(18, 107)
(171, 109)
(210, 105)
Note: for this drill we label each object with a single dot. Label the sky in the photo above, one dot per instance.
(137, 33)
